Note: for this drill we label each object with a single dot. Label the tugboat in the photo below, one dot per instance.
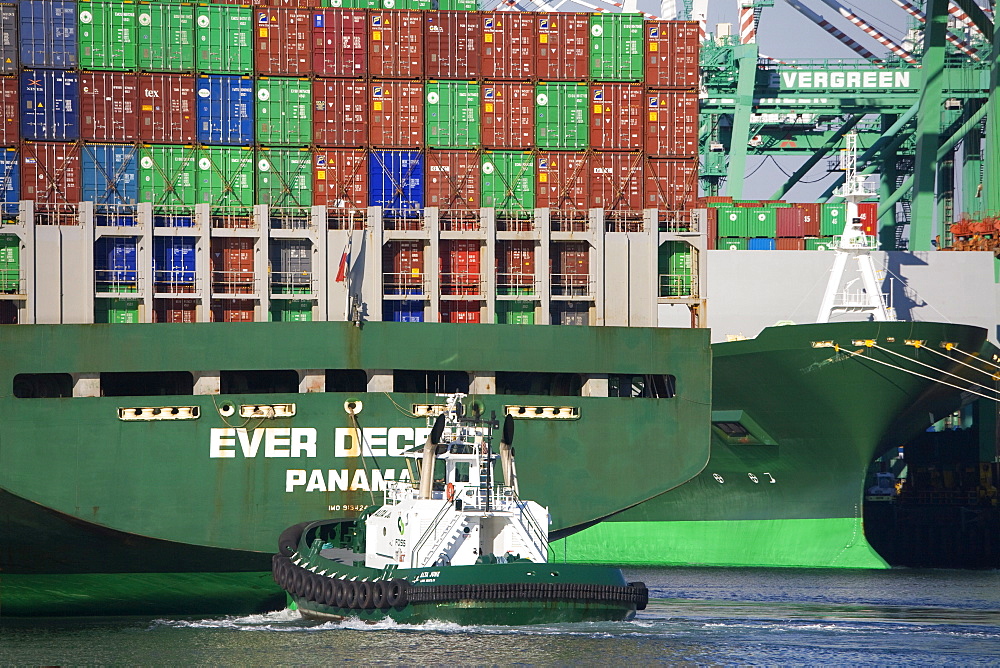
(455, 546)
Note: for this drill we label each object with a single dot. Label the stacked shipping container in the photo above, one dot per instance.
(348, 107)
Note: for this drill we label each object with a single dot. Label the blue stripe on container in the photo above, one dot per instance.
(50, 105)
(761, 243)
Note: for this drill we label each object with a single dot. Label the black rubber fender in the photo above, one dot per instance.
(642, 594)
(379, 594)
(276, 566)
(365, 598)
(397, 593)
(341, 594)
(288, 541)
(328, 593)
(353, 591)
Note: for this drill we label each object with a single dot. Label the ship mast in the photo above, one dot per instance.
(853, 244)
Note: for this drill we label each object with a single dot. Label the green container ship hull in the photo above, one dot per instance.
(795, 428)
(107, 509)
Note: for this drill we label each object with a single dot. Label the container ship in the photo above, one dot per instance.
(225, 268)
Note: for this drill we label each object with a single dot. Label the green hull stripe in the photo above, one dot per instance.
(59, 595)
(809, 543)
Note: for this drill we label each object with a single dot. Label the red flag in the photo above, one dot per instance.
(342, 270)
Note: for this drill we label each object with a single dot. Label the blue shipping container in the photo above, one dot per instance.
(48, 33)
(402, 311)
(225, 110)
(50, 105)
(110, 175)
(396, 182)
(173, 259)
(761, 243)
(115, 261)
(10, 180)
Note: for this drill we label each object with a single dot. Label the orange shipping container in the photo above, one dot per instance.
(672, 54)
(452, 180)
(672, 123)
(810, 219)
(868, 213)
(616, 117)
(507, 115)
(340, 178)
(561, 179)
(509, 45)
(616, 181)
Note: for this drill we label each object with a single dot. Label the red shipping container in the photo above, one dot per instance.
(616, 117)
(868, 213)
(561, 179)
(713, 225)
(451, 181)
(791, 222)
(570, 267)
(671, 183)
(232, 265)
(396, 114)
(340, 112)
(789, 243)
(509, 45)
(340, 178)
(395, 44)
(108, 102)
(563, 46)
(175, 310)
(282, 41)
(460, 266)
(50, 173)
(672, 123)
(460, 311)
(810, 219)
(167, 109)
(403, 267)
(452, 41)
(507, 115)
(615, 181)
(10, 129)
(672, 54)
(233, 310)
(339, 44)
(515, 262)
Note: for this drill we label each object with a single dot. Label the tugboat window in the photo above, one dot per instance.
(43, 385)
(650, 386)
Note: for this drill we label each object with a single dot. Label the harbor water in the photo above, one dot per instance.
(696, 616)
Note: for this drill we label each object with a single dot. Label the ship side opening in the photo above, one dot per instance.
(267, 381)
(138, 383)
(430, 382)
(42, 385)
(346, 380)
(648, 386)
(545, 384)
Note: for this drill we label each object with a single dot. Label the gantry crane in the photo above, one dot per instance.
(912, 109)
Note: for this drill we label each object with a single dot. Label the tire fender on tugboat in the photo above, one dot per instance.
(395, 595)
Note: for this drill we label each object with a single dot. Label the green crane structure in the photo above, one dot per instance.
(916, 111)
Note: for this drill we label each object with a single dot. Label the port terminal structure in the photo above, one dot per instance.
(921, 111)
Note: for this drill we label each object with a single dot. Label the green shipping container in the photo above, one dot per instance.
(427, 4)
(458, 5)
(224, 38)
(168, 176)
(108, 36)
(762, 222)
(515, 313)
(831, 219)
(616, 47)
(675, 265)
(284, 177)
(116, 311)
(452, 114)
(225, 178)
(733, 221)
(10, 263)
(357, 4)
(166, 38)
(819, 243)
(283, 111)
(561, 121)
(732, 243)
(291, 310)
(508, 181)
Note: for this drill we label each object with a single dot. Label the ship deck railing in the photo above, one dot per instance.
(463, 284)
(291, 284)
(406, 284)
(572, 285)
(516, 284)
(234, 282)
(684, 284)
